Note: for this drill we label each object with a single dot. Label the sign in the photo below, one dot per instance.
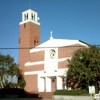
(97, 96)
(91, 89)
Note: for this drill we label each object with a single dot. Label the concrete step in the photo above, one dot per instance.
(45, 94)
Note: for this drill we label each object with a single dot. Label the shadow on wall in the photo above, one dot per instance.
(17, 93)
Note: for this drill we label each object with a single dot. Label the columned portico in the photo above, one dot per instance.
(50, 83)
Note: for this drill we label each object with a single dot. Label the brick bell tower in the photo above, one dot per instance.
(29, 36)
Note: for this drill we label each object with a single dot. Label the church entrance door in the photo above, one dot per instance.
(53, 84)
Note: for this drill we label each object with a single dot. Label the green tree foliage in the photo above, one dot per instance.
(9, 68)
(84, 68)
(21, 81)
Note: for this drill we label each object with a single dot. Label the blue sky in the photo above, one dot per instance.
(68, 19)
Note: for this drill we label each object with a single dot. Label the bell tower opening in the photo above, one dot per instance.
(30, 15)
(29, 36)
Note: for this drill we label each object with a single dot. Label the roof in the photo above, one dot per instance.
(55, 43)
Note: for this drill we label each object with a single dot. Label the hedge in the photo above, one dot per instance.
(71, 92)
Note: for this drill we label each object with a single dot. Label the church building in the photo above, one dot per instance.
(44, 66)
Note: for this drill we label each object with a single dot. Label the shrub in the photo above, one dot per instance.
(71, 92)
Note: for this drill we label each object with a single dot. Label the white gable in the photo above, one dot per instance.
(55, 43)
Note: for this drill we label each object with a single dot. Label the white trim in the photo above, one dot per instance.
(29, 21)
(63, 59)
(37, 49)
(42, 62)
(60, 72)
(83, 44)
(33, 72)
(34, 63)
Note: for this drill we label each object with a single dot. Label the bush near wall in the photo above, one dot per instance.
(71, 92)
(16, 93)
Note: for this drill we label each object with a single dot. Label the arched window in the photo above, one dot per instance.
(26, 16)
(33, 17)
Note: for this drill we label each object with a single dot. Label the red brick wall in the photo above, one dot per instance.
(34, 67)
(31, 82)
(34, 34)
(62, 64)
(37, 56)
(67, 51)
(28, 32)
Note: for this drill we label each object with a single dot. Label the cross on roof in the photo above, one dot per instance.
(51, 35)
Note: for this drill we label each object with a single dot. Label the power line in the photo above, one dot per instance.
(44, 47)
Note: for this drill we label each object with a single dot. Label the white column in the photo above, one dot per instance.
(41, 84)
(36, 17)
(65, 81)
(48, 84)
(59, 83)
(29, 15)
(23, 17)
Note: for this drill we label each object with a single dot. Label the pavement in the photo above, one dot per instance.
(27, 99)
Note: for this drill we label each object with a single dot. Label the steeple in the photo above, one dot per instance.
(30, 15)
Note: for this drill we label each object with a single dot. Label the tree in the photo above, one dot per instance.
(84, 68)
(21, 81)
(9, 68)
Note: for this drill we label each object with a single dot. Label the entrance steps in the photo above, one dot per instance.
(46, 95)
